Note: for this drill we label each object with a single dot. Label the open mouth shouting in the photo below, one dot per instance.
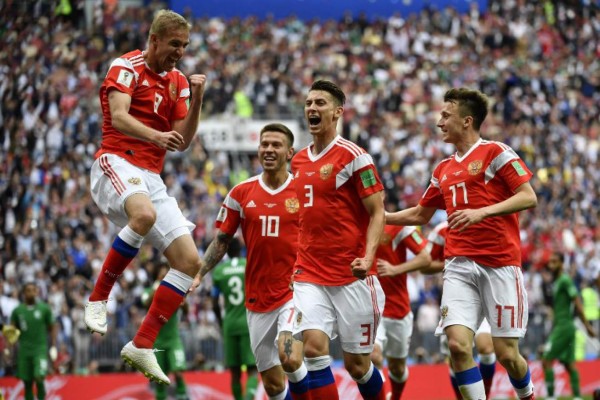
(314, 120)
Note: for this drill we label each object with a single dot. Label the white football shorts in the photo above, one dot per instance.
(353, 311)
(113, 179)
(473, 292)
(264, 332)
(394, 335)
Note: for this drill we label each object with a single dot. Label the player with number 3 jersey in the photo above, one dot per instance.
(341, 222)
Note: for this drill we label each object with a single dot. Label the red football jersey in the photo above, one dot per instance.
(269, 221)
(437, 241)
(156, 100)
(333, 219)
(487, 174)
(396, 240)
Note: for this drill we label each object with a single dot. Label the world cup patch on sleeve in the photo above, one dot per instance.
(517, 166)
(222, 216)
(125, 77)
(368, 178)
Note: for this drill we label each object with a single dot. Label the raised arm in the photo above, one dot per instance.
(188, 126)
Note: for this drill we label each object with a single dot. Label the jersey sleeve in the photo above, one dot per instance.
(433, 196)
(229, 216)
(515, 173)
(415, 241)
(120, 76)
(181, 105)
(366, 179)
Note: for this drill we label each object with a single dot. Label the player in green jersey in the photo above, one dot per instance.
(561, 343)
(228, 281)
(170, 353)
(35, 321)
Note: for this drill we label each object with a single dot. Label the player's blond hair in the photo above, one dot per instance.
(167, 20)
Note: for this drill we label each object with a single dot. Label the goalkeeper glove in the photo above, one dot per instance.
(11, 333)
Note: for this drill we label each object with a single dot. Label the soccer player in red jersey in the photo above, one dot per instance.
(341, 222)
(482, 187)
(266, 207)
(145, 108)
(395, 332)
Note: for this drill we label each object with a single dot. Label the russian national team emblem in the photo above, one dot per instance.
(444, 312)
(135, 181)
(292, 205)
(173, 91)
(326, 171)
(385, 239)
(475, 167)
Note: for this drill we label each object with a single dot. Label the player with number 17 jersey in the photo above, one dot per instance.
(332, 185)
(487, 174)
(269, 222)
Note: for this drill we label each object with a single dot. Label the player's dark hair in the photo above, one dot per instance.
(330, 88)
(471, 103)
(277, 127)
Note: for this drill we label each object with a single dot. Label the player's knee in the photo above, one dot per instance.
(377, 357)
(507, 359)
(142, 220)
(459, 348)
(397, 370)
(274, 386)
(357, 367)
(188, 263)
(292, 362)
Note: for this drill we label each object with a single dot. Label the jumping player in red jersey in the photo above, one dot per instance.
(395, 332)
(481, 187)
(341, 222)
(146, 113)
(266, 207)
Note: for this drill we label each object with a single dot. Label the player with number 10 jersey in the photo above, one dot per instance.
(269, 221)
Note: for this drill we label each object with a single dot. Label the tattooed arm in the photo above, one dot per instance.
(214, 253)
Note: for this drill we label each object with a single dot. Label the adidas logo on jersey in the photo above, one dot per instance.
(444, 178)
(251, 204)
(145, 82)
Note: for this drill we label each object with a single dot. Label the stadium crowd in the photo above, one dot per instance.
(538, 61)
